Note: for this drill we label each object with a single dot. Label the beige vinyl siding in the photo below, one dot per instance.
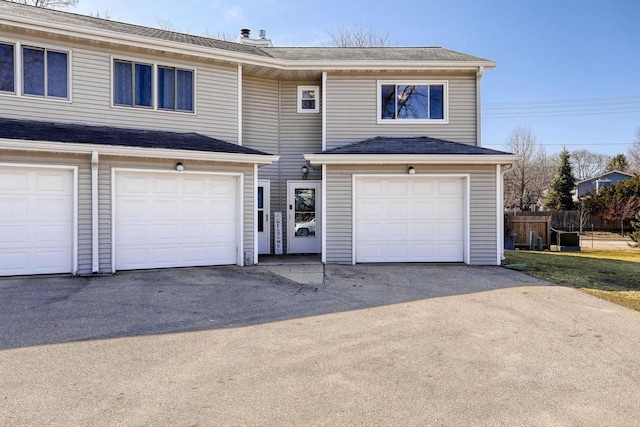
(84, 195)
(339, 195)
(352, 109)
(216, 100)
(105, 195)
(272, 124)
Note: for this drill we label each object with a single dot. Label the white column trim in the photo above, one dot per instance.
(255, 214)
(239, 104)
(324, 110)
(324, 214)
(95, 211)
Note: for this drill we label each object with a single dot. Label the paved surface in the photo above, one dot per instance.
(622, 243)
(373, 345)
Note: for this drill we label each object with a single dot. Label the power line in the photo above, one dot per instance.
(563, 107)
(629, 98)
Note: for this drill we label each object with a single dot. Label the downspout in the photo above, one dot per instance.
(95, 246)
(500, 208)
(239, 104)
(479, 74)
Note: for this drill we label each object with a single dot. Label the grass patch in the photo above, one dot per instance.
(613, 275)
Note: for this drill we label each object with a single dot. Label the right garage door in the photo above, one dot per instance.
(412, 219)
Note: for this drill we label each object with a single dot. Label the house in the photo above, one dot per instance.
(599, 182)
(124, 147)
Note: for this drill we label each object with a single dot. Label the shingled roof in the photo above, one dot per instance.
(418, 145)
(384, 54)
(29, 130)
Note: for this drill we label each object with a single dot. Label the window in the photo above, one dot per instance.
(45, 72)
(308, 99)
(175, 89)
(412, 101)
(7, 68)
(133, 85)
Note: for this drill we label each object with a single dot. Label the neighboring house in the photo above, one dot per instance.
(599, 182)
(124, 147)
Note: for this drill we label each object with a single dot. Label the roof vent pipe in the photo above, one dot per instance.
(262, 34)
(245, 32)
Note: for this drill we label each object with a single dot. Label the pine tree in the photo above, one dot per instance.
(562, 186)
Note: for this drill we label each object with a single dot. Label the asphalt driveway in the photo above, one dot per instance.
(373, 345)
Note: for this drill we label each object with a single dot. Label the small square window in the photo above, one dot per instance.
(308, 99)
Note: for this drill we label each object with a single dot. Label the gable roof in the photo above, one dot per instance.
(395, 150)
(29, 130)
(279, 57)
(605, 174)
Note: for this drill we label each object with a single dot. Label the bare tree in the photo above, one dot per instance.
(633, 154)
(49, 4)
(526, 183)
(621, 209)
(107, 14)
(221, 35)
(358, 36)
(587, 164)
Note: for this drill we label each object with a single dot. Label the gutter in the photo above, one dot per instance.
(390, 159)
(125, 151)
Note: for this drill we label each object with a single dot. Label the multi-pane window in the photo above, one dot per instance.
(308, 99)
(45, 72)
(7, 68)
(175, 89)
(133, 85)
(412, 101)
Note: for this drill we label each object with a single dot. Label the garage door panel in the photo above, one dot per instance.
(409, 219)
(192, 220)
(36, 220)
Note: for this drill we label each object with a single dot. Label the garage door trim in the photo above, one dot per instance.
(74, 221)
(239, 195)
(466, 208)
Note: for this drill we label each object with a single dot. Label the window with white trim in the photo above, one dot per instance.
(412, 101)
(134, 83)
(308, 99)
(45, 71)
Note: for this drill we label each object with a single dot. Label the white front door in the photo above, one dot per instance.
(264, 209)
(36, 220)
(304, 221)
(175, 219)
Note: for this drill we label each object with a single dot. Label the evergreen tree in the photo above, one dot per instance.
(562, 186)
(618, 163)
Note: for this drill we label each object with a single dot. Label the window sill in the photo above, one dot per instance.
(153, 110)
(412, 122)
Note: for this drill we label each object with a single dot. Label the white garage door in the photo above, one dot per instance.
(175, 220)
(416, 219)
(36, 220)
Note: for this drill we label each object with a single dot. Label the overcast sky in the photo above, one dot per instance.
(568, 69)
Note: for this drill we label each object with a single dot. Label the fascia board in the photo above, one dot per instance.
(124, 151)
(389, 159)
(236, 57)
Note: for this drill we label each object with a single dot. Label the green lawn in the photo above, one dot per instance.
(613, 275)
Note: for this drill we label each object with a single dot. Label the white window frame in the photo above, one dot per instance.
(154, 84)
(316, 98)
(18, 70)
(445, 102)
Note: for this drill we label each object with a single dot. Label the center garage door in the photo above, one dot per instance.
(175, 220)
(415, 219)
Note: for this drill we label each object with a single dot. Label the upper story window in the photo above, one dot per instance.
(134, 84)
(7, 68)
(412, 102)
(308, 99)
(45, 72)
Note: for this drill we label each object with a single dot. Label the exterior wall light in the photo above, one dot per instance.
(179, 167)
(411, 170)
(305, 171)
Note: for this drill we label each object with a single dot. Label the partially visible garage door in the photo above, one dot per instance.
(175, 220)
(36, 220)
(416, 219)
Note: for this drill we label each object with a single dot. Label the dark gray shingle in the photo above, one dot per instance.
(418, 145)
(29, 130)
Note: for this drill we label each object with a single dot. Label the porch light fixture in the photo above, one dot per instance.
(179, 167)
(305, 170)
(411, 170)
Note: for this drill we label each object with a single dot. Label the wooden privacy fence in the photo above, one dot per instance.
(524, 225)
(570, 221)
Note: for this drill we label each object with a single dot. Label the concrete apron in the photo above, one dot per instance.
(302, 269)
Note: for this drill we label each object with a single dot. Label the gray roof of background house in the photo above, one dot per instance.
(29, 130)
(418, 145)
(435, 54)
